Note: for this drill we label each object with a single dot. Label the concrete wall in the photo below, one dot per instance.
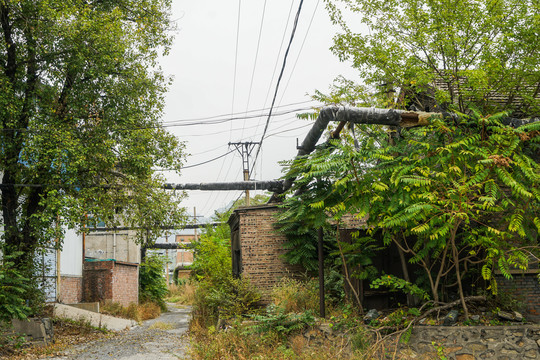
(476, 342)
(107, 245)
(111, 281)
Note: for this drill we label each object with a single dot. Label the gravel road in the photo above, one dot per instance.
(157, 339)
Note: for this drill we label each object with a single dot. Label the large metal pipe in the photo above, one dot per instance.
(125, 228)
(273, 185)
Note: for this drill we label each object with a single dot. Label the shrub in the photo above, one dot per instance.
(13, 288)
(152, 284)
(218, 294)
(296, 296)
(281, 322)
(234, 298)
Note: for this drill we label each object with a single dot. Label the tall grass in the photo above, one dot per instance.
(183, 294)
(296, 296)
(137, 312)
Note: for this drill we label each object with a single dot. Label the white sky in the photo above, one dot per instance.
(202, 62)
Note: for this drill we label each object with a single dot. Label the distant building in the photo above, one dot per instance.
(184, 257)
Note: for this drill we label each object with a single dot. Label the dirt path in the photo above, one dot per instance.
(161, 338)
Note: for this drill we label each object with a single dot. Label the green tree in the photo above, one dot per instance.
(451, 53)
(152, 283)
(80, 107)
(218, 294)
(12, 286)
(450, 195)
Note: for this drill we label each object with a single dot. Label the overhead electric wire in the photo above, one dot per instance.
(234, 114)
(288, 130)
(279, 53)
(279, 79)
(236, 53)
(199, 164)
(235, 129)
(299, 52)
(211, 122)
(255, 62)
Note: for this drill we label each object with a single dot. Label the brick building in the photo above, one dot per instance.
(257, 248)
(111, 280)
(184, 256)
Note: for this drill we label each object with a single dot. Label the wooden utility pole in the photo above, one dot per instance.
(245, 149)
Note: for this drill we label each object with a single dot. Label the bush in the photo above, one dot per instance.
(152, 284)
(296, 296)
(218, 294)
(234, 297)
(281, 322)
(13, 288)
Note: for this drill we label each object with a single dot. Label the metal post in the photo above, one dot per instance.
(167, 257)
(321, 274)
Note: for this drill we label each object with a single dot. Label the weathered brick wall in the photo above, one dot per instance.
(526, 290)
(71, 291)
(262, 248)
(97, 280)
(184, 257)
(125, 283)
(111, 281)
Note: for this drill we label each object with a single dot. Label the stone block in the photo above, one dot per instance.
(35, 329)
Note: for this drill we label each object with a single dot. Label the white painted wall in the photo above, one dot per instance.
(71, 262)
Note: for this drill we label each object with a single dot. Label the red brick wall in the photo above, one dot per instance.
(111, 281)
(125, 283)
(526, 290)
(71, 289)
(262, 248)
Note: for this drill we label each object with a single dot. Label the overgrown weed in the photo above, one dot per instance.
(137, 312)
(296, 296)
(182, 294)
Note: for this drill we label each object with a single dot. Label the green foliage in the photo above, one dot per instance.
(80, 107)
(450, 194)
(296, 296)
(218, 294)
(234, 297)
(13, 286)
(474, 50)
(396, 284)
(212, 260)
(152, 283)
(281, 322)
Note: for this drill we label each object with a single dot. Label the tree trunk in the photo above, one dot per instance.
(455, 256)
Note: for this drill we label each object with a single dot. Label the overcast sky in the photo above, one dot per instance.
(202, 62)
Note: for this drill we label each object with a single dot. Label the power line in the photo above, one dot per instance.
(279, 78)
(300, 51)
(235, 114)
(236, 129)
(201, 163)
(279, 52)
(255, 62)
(236, 53)
(211, 122)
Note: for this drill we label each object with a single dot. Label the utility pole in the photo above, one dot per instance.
(195, 218)
(245, 149)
